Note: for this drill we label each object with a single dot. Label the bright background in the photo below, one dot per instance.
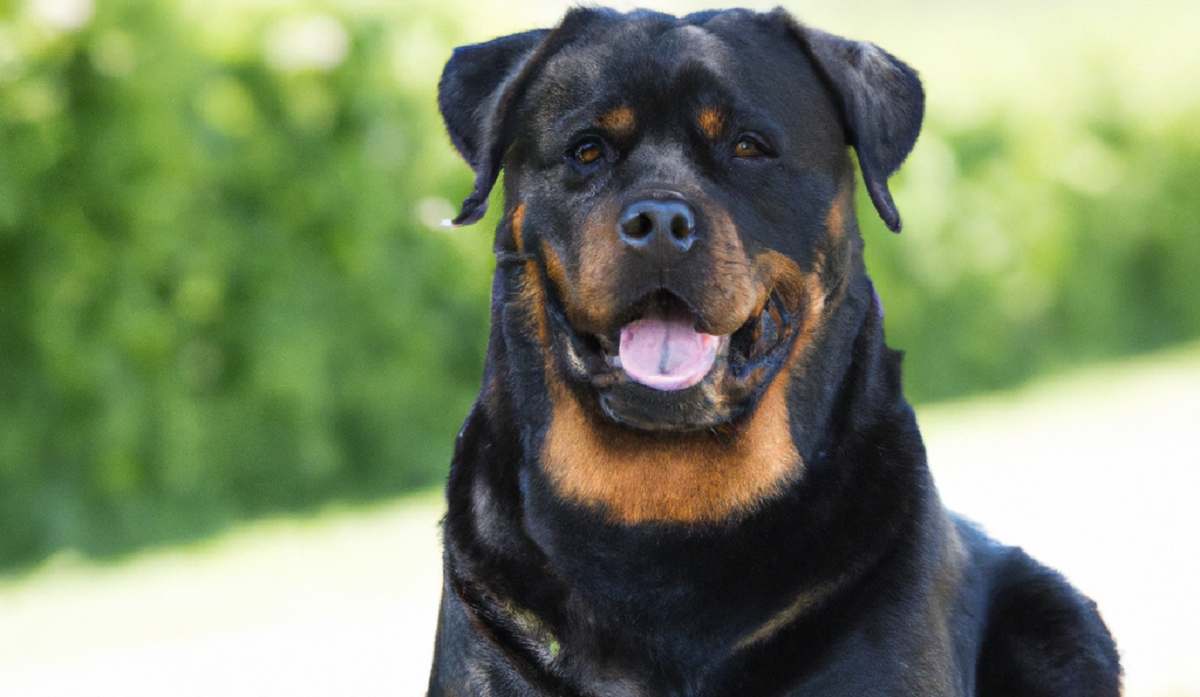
(233, 336)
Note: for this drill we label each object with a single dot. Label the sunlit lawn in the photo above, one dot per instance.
(1095, 473)
(339, 604)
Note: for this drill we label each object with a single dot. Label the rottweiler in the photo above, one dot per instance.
(691, 470)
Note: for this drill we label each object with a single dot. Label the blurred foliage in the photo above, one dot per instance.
(217, 294)
(223, 293)
(1030, 246)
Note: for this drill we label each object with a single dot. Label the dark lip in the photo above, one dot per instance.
(754, 352)
(762, 339)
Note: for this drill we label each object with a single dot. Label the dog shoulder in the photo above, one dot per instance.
(1042, 636)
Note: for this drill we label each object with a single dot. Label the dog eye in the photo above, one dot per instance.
(587, 151)
(748, 146)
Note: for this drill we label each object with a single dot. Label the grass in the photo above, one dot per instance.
(342, 603)
(1093, 472)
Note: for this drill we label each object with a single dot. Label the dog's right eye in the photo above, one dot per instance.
(748, 146)
(586, 152)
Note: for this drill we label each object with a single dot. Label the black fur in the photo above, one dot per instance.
(849, 578)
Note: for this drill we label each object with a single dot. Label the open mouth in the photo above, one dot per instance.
(663, 350)
(661, 370)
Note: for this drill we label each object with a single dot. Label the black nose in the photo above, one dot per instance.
(653, 223)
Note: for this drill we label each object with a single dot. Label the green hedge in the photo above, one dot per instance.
(223, 292)
(1030, 246)
(217, 294)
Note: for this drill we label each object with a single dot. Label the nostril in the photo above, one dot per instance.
(637, 227)
(645, 225)
(681, 227)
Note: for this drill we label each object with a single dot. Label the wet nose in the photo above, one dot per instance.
(654, 223)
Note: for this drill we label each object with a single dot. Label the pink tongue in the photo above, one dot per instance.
(666, 354)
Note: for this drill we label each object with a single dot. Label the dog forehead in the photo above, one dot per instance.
(628, 55)
(667, 65)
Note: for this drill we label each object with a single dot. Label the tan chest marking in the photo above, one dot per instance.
(637, 477)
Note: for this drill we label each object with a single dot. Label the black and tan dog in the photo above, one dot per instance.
(691, 470)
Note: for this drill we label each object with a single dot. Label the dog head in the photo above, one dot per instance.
(679, 202)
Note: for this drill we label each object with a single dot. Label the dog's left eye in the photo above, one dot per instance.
(748, 146)
(587, 151)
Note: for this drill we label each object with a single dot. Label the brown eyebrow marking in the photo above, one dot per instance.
(619, 122)
(711, 122)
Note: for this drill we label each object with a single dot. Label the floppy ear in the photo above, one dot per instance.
(882, 104)
(475, 95)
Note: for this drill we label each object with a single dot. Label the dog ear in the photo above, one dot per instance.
(475, 95)
(882, 105)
